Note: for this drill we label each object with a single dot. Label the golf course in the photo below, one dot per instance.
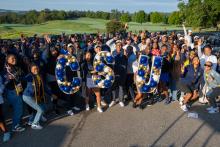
(79, 25)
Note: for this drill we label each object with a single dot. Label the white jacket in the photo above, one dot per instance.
(203, 59)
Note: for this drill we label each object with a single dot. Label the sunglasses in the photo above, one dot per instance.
(208, 65)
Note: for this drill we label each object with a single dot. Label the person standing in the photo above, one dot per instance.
(12, 79)
(120, 70)
(7, 134)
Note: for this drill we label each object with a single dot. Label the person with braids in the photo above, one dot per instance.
(34, 95)
(12, 78)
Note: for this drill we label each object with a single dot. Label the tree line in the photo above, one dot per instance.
(195, 13)
(37, 17)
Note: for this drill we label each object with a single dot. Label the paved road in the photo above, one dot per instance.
(157, 125)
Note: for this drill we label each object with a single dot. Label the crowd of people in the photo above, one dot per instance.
(28, 72)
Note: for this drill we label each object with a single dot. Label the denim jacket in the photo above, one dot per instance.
(192, 77)
(30, 90)
(212, 79)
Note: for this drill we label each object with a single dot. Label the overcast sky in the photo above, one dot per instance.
(104, 5)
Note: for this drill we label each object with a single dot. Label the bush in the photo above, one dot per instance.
(114, 26)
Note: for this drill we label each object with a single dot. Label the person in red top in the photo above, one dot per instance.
(155, 50)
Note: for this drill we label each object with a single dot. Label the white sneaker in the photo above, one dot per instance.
(121, 104)
(36, 126)
(99, 110)
(184, 108)
(29, 123)
(76, 108)
(87, 107)
(70, 112)
(214, 110)
(103, 103)
(209, 108)
(112, 103)
(181, 101)
(43, 119)
(203, 100)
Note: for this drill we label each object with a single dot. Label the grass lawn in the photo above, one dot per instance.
(81, 25)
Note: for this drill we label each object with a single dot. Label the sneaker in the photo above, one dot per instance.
(214, 110)
(209, 108)
(76, 108)
(29, 123)
(43, 118)
(70, 112)
(36, 126)
(184, 108)
(181, 101)
(18, 128)
(99, 110)
(103, 103)
(167, 101)
(6, 137)
(87, 107)
(203, 100)
(121, 104)
(112, 103)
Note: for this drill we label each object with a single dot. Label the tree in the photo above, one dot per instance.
(156, 17)
(31, 17)
(114, 26)
(147, 17)
(125, 17)
(175, 18)
(140, 17)
(200, 13)
(115, 14)
(42, 17)
(105, 15)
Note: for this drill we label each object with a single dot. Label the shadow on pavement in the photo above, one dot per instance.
(212, 120)
(50, 136)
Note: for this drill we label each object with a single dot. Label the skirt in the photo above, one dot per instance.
(90, 83)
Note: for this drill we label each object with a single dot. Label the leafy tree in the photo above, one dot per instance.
(200, 13)
(156, 17)
(105, 15)
(114, 26)
(175, 18)
(115, 14)
(140, 17)
(125, 17)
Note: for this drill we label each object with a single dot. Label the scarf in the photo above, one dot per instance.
(38, 89)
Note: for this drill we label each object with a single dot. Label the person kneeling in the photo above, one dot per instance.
(34, 94)
(212, 80)
(189, 84)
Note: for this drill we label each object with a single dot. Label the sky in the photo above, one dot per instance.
(95, 5)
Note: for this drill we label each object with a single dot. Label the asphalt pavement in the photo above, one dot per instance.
(158, 125)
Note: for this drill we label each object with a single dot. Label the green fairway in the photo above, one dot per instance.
(81, 25)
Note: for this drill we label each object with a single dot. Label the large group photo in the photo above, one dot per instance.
(96, 74)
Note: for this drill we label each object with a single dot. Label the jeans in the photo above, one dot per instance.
(30, 101)
(17, 105)
(212, 96)
(173, 88)
(118, 93)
